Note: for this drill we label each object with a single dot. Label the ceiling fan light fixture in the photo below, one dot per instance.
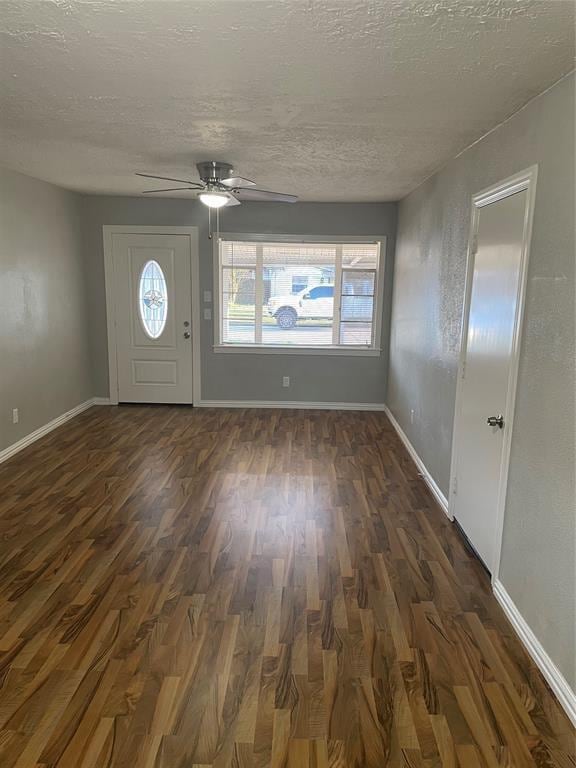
(213, 198)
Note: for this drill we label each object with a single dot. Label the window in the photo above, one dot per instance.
(153, 299)
(289, 295)
(299, 282)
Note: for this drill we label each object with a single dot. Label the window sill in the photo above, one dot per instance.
(263, 350)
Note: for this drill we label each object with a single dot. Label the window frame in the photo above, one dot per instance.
(374, 350)
(349, 350)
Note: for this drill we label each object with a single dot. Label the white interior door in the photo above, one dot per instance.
(486, 384)
(153, 312)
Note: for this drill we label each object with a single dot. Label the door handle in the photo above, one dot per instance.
(496, 421)
(186, 334)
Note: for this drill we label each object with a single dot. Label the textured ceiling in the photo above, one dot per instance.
(328, 99)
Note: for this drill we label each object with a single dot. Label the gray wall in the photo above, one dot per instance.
(250, 376)
(44, 345)
(538, 556)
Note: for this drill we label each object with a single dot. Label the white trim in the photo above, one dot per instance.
(425, 474)
(337, 298)
(298, 404)
(264, 350)
(216, 292)
(373, 350)
(274, 237)
(555, 679)
(258, 292)
(100, 401)
(192, 232)
(525, 180)
(195, 292)
(27, 440)
(110, 315)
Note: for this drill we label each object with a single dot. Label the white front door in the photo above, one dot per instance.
(153, 311)
(486, 385)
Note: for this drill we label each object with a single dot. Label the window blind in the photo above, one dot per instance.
(287, 295)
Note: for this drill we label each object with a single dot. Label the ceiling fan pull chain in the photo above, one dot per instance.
(209, 223)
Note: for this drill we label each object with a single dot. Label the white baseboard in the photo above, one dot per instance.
(44, 430)
(555, 679)
(100, 401)
(426, 476)
(290, 404)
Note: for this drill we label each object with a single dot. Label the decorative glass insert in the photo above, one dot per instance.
(153, 299)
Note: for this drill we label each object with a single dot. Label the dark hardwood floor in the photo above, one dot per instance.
(231, 588)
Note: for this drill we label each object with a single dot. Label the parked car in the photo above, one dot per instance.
(311, 303)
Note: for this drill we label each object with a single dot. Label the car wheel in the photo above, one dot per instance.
(286, 318)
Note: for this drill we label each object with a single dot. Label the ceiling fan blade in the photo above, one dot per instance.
(170, 189)
(232, 201)
(264, 196)
(168, 178)
(237, 181)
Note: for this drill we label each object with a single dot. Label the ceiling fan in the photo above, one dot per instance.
(219, 187)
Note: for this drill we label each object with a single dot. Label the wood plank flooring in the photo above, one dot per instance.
(188, 588)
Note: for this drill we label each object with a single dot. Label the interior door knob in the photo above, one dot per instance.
(496, 421)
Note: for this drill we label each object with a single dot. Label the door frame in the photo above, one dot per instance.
(525, 180)
(108, 230)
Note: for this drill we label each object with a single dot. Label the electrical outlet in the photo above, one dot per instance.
(207, 313)
(412, 416)
(15, 416)
(285, 381)
(207, 297)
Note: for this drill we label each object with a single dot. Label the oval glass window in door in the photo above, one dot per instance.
(153, 299)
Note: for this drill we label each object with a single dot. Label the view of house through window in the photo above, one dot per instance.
(282, 294)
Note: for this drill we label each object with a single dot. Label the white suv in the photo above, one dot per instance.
(311, 303)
